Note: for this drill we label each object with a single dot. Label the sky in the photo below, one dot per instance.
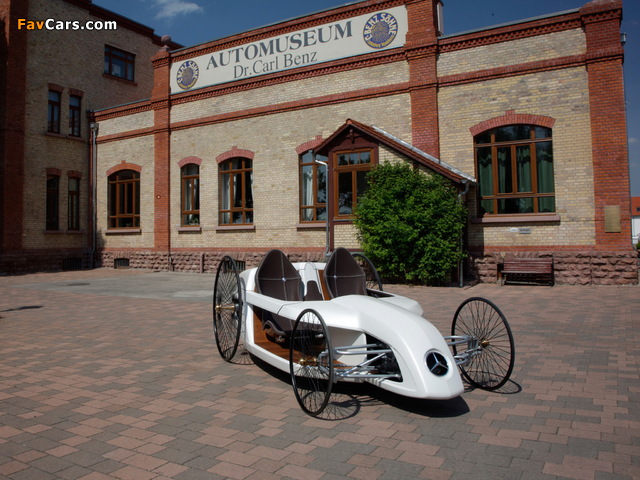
(191, 22)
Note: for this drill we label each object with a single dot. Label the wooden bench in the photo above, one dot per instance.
(527, 270)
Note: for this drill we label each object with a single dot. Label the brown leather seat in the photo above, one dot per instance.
(276, 277)
(343, 275)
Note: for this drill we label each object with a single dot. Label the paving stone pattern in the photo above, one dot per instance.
(105, 384)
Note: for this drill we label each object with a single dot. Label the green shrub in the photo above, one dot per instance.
(410, 223)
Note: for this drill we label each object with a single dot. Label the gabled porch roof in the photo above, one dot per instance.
(404, 148)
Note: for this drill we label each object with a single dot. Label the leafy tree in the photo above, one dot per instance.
(410, 223)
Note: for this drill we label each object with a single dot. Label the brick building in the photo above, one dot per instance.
(635, 219)
(59, 58)
(254, 141)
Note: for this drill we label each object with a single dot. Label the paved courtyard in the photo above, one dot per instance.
(114, 374)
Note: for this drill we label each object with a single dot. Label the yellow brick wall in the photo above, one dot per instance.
(560, 94)
(541, 47)
(345, 236)
(386, 155)
(337, 83)
(126, 123)
(273, 139)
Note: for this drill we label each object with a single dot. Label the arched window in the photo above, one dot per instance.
(190, 194)
(514, 166)
(236, 191)
(124, 199)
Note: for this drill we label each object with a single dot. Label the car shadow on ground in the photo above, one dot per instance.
(348, 399)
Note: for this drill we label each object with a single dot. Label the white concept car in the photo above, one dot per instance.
(325, 323)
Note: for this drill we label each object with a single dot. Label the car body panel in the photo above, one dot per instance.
(351, 321)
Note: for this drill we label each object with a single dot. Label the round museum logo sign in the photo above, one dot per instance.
(187, 75)
(380, 30)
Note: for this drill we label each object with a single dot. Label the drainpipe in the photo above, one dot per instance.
(94, 194)
(465, 182)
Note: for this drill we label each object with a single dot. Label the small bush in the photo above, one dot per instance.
(410, 224)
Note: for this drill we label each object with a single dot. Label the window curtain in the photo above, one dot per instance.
(523, 163)
(248, 185)
(544, 157)
(545, 167)
(226, 203)
(504, 170)
(485, 172)
(307, 185)
(485, 178)
(322, 183)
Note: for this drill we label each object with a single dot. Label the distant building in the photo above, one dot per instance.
(58, 60)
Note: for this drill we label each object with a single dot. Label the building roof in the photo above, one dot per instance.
(123, 22)
(413, 153)
(508, 24)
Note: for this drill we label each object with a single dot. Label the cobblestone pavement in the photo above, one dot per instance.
(114, 374)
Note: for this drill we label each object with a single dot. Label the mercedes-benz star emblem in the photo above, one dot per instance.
(437, 364)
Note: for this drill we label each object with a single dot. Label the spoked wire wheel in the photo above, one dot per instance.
(372, 278)
(227, 308)
(311, 362)
(490, 365)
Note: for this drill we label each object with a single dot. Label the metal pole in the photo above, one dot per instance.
(465, 182)
(94, 194)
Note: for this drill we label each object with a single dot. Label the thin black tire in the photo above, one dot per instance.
(483, 321)
(227, 308)
(372, 278)
(311, 362)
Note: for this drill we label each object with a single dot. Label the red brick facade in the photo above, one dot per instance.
(13, 69)
(421, 51)
(608, 120)
(160, 102)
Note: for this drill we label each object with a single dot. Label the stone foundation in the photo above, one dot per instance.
(23, 263)
(195, 262)
(570, 268)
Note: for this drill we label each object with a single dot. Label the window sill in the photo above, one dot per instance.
(66, 137)
(236, 228)
(123, 231)
(64, 232)
(344, 220)
(312, 226)
(527, 218)
(120, 79)
(187, 229)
